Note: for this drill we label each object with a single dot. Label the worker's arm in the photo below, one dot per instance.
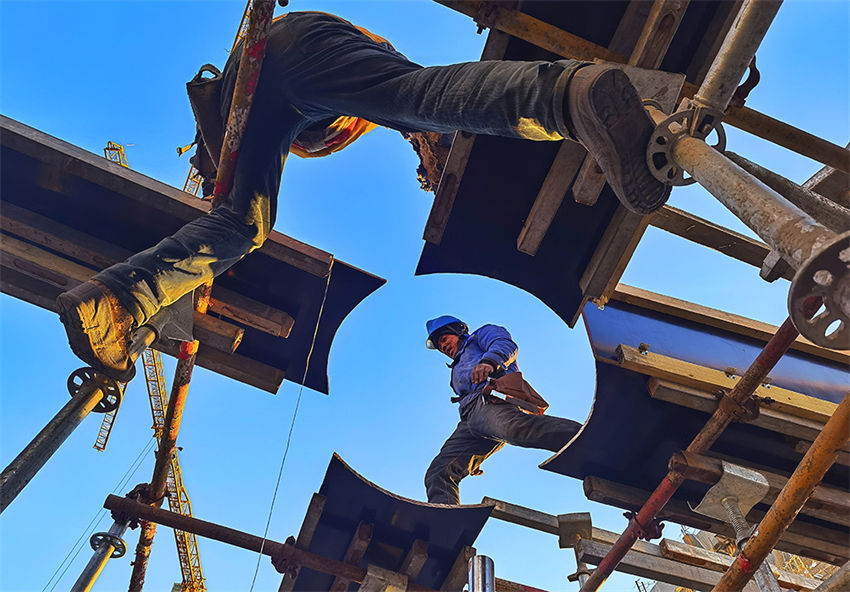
(500, 351)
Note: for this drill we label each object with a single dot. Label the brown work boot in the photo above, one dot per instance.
(610, 121)
(99, 328)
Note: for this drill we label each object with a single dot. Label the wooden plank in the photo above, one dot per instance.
(305, 535)
(802, 446)
(550, 197)
(459, 573)
(354, 554)
(67, 160)
(776, 421)
(801, 538)
(719, 319)
(826, 503)
(720, 562)
(701, 231)
(700, 377)
(250, 312)
(533, 30)
(659, 28)
(444, 198)
(415, 559)
(508, 586)
(64, 275)
(656, 568)
(99, 254)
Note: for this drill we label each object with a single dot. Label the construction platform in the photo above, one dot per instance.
(660, 364)
(68, 213)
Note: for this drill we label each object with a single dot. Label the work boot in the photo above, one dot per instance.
(610, 121)
(99, 328)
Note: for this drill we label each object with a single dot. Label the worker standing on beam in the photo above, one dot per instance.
(481, 362)
(325, 82)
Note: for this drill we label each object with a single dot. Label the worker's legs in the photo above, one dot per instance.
(490, 417)
(460, 456)
(346, 73)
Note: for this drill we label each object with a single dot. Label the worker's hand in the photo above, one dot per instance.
(480, 373)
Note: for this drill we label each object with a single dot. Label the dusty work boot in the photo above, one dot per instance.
(612, 124)
(99, 328)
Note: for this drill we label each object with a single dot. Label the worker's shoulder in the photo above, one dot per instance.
(491, 330)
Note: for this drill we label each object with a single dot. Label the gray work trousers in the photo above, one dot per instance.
(318, 67)
(486, 426)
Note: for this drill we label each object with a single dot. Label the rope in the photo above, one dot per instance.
(292, 424)
(97, 518)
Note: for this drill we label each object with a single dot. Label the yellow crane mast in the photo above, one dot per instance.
(178, 499)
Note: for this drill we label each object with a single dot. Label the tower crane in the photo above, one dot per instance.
(178, 499)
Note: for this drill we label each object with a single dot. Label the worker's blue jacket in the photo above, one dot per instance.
(490, 344)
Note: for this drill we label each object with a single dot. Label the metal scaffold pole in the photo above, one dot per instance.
(106, 545)
(817, 461)
(253, 51)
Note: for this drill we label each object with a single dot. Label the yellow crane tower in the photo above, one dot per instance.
(178, 499)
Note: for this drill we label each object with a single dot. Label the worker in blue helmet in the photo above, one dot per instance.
(487, 422)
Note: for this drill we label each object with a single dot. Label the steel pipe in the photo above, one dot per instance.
(104, 551)
(832, 215)
(481, 574)
(127, 508)
(783, 226)
(809, 473)
(722, 417)
(736, 53)
(30, 460)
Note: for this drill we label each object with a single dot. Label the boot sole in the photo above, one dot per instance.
(84, 342)
(616, 130)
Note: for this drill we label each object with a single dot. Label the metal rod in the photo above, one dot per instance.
(129, 508)
(809, 473)
(253, 52)
(30, 460)
(481, 574)
(98, 561)
(832, 215)
(736, 53)
(722, 417)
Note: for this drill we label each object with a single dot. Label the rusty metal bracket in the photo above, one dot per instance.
(86, 377)
(283, 561)
(646, 532)
(748, 410)
(485, 16)
(825, 276)
(743, 91)
(691, 120)
(582, 571)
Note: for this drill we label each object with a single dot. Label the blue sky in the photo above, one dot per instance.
(89, 72)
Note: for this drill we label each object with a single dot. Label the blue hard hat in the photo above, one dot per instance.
(434, 327)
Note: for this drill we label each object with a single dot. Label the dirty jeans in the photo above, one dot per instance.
(488, 425)
(318, 67)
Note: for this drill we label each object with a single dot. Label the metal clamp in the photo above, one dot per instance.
(88, 377)
(692, 120)
(646, 532)
(825, 277)
(747, 410)
(101, 539)
(582, 571)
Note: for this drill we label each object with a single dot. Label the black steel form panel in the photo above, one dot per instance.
(397, 521)
(503, 176)
(131, 211)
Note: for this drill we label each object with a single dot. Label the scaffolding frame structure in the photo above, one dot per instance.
(797, 231)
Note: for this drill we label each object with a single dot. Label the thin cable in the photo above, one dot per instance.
(292, 423)
(131, 470)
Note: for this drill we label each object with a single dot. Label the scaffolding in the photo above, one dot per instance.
(803, 234)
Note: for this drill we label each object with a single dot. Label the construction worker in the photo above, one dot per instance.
(487, 422)
(324, 82)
